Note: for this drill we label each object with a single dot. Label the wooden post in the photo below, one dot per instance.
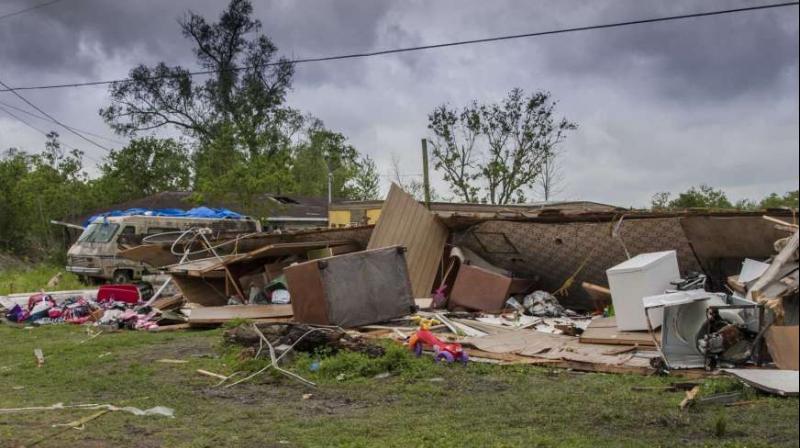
(425, 181)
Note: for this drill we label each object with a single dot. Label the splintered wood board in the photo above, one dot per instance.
(603, 330)
(221, 314)
(405, 222)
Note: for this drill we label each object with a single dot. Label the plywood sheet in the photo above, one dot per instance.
(222, 314)
(405, 222)
(568, 349)
(782, 342)
(778, 382)
(603, 330)
(155, 255)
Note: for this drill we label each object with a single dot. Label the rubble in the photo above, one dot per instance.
(543, 304)
(473, 282)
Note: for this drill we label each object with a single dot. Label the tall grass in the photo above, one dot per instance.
(35, 278)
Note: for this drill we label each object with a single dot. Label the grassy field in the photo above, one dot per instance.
(419, 404)
(35, 279)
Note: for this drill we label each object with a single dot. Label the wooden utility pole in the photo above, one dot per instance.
(425, 180)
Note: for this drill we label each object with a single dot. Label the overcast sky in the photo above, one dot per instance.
(660, 107)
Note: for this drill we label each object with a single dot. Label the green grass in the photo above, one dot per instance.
(36, 278)
(420, 404)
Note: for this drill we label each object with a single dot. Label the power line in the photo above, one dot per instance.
(14, 116)
(18, 95)
(40, 117)
(22, 11)
(435, 46)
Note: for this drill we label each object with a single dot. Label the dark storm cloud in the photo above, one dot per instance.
(76, 36)
(658, 104)
(702, 57)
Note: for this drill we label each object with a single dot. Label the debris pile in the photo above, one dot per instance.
(474, 289)
(301, 337)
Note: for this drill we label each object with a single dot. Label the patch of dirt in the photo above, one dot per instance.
(179, 349)
(143, 435)
(289, 396)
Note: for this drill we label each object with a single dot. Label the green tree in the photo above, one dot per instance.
(146, 166)
(36, 189)
(702, 196)
(365, 184)
(496, 152)
(660, 201)
(227, 172)
(324, 152)
(14, 168)
(242, 96)
(774, 200)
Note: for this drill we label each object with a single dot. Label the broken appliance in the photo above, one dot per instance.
(707, 330)
(643, 275)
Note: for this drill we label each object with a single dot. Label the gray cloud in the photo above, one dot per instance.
(660, 106)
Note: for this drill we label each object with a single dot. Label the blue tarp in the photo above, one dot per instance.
(197, 212)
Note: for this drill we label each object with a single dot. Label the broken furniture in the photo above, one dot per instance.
(350, 290)
(477, 284)
(643, 275)
(212, 281)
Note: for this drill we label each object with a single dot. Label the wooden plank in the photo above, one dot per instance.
(175, 327)
(601, 296)
(168, 302)
(198, 268)
(786, 255)
(222, 314)
(603, 330)
(276, 250)
(508, 357)
(403, 221)
(155, 255)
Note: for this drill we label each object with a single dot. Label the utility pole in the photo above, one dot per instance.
(425, 181)
(330, 187)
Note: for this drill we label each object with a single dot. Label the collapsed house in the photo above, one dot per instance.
(591, 289)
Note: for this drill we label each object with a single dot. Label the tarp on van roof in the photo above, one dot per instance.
(197, 212)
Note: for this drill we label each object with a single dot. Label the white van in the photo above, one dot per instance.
(94, 257)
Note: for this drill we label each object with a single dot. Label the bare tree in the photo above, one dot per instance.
(551, 181)
(409, 183)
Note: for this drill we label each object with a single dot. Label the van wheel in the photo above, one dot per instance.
(122, 277)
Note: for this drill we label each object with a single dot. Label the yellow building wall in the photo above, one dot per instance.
(373, 215)
(338, 218)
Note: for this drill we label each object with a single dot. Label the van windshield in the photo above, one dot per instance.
(99, 232)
